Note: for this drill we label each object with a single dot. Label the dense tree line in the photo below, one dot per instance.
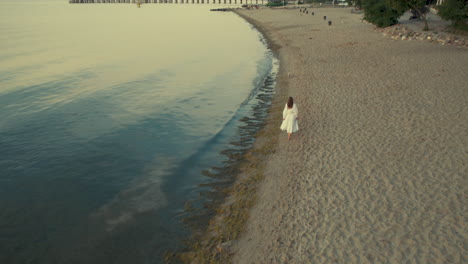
(455, 11)
(384, 13)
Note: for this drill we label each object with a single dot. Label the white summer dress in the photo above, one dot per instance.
(290, 119)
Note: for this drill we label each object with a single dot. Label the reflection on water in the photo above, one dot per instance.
(107, 116)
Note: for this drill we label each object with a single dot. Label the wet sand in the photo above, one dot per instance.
(377, 171)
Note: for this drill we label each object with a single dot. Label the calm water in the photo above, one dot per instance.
(108, 114)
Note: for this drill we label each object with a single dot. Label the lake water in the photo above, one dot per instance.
(108, 115)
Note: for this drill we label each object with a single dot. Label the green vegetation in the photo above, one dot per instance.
(384, 13)
(282, 3)
(381, 13)
(357, 4)
(417, 7)
(455, 11)
(316, 1)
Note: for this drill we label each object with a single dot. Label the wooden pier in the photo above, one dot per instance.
(247, 2)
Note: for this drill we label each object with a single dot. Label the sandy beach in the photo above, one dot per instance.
(377, 171)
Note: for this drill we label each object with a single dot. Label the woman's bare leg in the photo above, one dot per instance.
(289, 135)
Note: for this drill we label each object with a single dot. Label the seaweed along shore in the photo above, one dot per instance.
(235, 191)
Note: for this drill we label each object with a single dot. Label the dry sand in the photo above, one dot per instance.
(377, 172)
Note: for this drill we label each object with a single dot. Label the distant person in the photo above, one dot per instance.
(290, 115)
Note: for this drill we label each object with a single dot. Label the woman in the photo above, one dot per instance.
(290, 117)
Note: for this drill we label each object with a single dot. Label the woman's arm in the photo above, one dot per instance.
(284, 111)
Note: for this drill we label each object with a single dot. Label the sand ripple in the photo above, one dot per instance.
(377, 173)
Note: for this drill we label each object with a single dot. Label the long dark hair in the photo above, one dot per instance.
(290, 102)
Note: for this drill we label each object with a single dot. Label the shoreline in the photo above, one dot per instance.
(375, 173)
(229, 222)
(216, 243)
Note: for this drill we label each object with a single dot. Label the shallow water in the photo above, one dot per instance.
(108, 114)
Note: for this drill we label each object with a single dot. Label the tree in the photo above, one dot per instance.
(384, 13)
(381, 13)
(417, 7)
(456, 11)
(358, 4)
